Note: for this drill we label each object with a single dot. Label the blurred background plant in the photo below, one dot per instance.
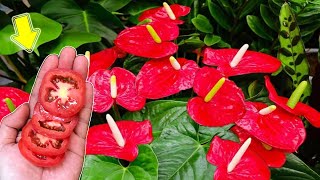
(93, 25)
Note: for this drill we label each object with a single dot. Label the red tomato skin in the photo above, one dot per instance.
(77, 94)
(69, 126)
(50, 161)
(39, 110)
(47, 151)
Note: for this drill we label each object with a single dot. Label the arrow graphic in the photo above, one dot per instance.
(25, 35)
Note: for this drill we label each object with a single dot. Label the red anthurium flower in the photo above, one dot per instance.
(250, 61)
(161, 13)
(10, 98)
(272, 156)
(116, 85)
(138, 41)
(102, 140)
(278, 128)
(250, 167)
(102, 60)
(300, 109)
(163, 77)
(224, 107)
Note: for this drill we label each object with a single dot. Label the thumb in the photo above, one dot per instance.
(12, 123)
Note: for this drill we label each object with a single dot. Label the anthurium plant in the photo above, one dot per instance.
(195, 89)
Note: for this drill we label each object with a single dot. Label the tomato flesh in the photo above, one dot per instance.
(53, 129)
(62, 92)
(38, 159)
(39, 110)
(41, 144)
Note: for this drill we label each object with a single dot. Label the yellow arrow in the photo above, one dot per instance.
(25, 35)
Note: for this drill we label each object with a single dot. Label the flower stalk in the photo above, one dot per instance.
(169, 11)
(115, 131)
(237, 157)
(113, 86)
(296, 95)
(214, 90)
(237, 58)
(267, 110)
(175, 64)
(9, 104)
(153, 34)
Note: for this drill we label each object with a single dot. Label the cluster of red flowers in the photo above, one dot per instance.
(265, 132)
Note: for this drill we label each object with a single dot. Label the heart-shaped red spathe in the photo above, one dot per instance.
(157, 78)
(278, 129)
(17, 96)
(127, 95)
(102, 60)
(160, 13)
(226, 107)
(301, 109)
(250, 167)
(273, 157)
(251, 62)
(138, 41)
(100, 140)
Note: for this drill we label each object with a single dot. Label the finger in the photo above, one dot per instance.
(51, 62)
(66, 58)
(85, 113)
(12, 123)
(81, 65)
(77, 145)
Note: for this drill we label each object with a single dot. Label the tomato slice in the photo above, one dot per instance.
(53, 129)
(62, 92)
(39, 110)
(37, 159)
(41, 144)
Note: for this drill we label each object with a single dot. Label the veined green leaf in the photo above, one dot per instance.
(145, 167)
(294, 169)
(50, 30)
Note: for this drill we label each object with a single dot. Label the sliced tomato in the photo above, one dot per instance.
(62, 92)
(37, 159)
(53, 129)
(39, 110)
(41, 144)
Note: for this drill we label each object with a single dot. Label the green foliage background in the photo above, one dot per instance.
(180, 145)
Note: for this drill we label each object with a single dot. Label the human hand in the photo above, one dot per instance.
(12, 164)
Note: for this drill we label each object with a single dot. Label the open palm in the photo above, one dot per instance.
(12, 164)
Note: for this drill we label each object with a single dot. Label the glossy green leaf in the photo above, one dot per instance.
(181, 150)
(50, 30)
(291, 51)
(211, 39)
(112, 5)
(145, 167)
(249, 7)
(92, 19)
(294, 169)
(191, 43)
(74, 39)
(202, 23)
(269, 18)
(136, 7)
(4, 19)
(258, 27)
(219, 15)
(134, 64)
(28, 87)
(161, 113)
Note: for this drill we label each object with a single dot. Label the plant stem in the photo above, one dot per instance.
(116, 111)
(15, 69)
